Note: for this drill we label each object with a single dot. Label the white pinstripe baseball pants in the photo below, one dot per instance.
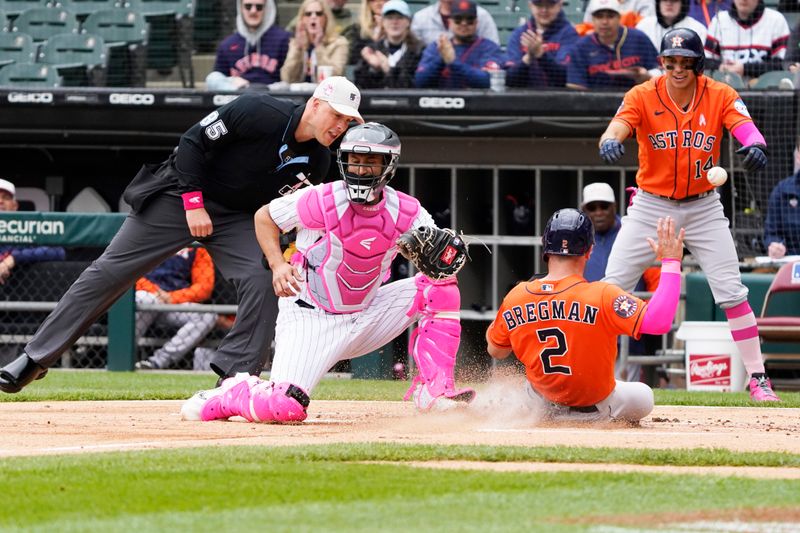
(308, 342)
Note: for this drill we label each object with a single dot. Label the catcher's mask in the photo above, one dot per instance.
(568, 232)
(369, 138)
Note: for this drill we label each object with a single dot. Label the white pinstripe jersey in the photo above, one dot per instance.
(730, 40)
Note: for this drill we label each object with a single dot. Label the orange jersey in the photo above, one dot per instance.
(677, 148)
(565, 333)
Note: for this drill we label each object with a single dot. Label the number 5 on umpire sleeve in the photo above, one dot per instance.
(556, 351)
(216, 130)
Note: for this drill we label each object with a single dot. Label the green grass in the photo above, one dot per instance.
(340, 488)
(102, 385)
(320, 488)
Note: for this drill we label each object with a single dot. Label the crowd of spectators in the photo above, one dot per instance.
(455, 43)
(609, 44)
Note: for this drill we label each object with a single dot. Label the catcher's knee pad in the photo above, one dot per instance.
(435, 341)
(278, 402)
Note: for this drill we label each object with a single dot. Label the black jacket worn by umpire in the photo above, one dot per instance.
(241, 155)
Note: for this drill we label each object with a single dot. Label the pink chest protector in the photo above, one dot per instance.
(345, 267)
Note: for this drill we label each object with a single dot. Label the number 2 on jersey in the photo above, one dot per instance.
(554, 351)
(706, 167)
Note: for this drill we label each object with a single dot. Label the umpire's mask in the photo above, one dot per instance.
(369, 138)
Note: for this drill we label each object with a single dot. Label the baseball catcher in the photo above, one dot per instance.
(333, 304)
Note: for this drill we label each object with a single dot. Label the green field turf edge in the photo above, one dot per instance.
(103, 385)
(321, 488)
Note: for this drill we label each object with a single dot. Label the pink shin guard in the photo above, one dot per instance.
(434, 343)
(259, 401)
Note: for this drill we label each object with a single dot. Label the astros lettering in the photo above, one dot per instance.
(698, 140)
(519, 315)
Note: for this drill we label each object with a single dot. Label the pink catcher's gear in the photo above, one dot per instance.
(257, 401)
(344, 268)
(435, 341)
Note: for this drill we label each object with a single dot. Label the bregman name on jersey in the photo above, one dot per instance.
(519, 315)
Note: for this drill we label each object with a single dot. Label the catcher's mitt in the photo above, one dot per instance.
(437, 253)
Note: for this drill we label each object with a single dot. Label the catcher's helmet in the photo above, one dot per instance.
(684, 42)
(568, 232)
(369, 138)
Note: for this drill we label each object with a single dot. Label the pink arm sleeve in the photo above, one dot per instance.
(661, 310)
(748, 134)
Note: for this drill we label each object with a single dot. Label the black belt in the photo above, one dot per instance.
(682, 200)
(304, 304)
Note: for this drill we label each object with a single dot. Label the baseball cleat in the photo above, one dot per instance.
(194, 407)
(463, 395)
(146, 364)
(426, 402)
(761, 389)
(19, 372)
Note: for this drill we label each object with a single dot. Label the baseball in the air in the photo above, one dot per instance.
(717, 176)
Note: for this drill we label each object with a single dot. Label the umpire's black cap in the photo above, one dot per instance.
(684, 42)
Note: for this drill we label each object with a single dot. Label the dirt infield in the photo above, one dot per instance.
(40, 428)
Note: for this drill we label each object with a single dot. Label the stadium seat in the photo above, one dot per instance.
(29, 75)
(414, 5)
(507, 22)
(125, 34)
(155, 8)
(16, 48)
(117, 27)
(84, 8)
(14, 8)
(4, 25)
(781, 328)
(171, 40)
(81, 59)
(574, 11)
(88, 200)
(731, 78)
(210, 25)
(774, 80)
(37, 198)
(41, 23)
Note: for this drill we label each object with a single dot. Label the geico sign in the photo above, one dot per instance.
(441, 102)
(131, 99)
(222, 99)
(36, 98)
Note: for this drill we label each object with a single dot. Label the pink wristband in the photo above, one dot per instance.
(671, 265)
(192, 200)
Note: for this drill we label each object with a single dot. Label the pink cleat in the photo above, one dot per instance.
(761, 389)
(251, 398)
(425, 400)
(205, 404)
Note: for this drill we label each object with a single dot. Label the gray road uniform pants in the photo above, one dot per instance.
(147, 238)
(708, 238)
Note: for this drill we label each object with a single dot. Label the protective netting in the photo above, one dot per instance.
(170, 337)
(748, 195)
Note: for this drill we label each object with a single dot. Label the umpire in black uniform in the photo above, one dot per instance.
(225, 167)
